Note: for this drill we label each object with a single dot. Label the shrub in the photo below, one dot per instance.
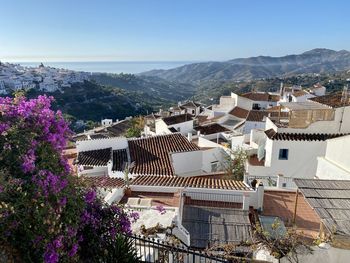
(46, 215)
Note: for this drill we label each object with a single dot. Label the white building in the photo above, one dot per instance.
(335, 165)
(178, 123)
(167, 155)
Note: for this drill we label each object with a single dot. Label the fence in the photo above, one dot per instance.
(219, 197)
(154, 251)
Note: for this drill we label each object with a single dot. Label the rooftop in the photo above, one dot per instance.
(211, 129)
(99, 157)
(103, 181)
(192, 182)
(190, 104)
(120, 128)
(239, 112)
(305, 105)
(260, 96)
(209, 226)
(151, 156)
(332, 100)
(257, 116)
(273, 135)
(331, 201)
(282, 204)
(177, 119)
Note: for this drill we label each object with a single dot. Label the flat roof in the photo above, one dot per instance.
(210, 225)
(331, 201)
(306, 105)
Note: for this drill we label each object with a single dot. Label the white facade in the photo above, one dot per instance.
(335, 165)
(301, 161)
(184, 127)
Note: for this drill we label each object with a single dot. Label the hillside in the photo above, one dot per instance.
(210, 92)
(92, 101)
(153, 86)
(243, 69)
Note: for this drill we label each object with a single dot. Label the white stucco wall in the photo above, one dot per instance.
(338, 151)
(330, 171)
(115, 143)
(185, 127)
(335, 164)
(161, 127)
(250, 125)
(242, 102)
(187, 163)
(301, 163)
(326, 126)
(197, 162)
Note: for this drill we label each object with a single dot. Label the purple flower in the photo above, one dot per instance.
(57, 243)
(134, 216)
(63, 201)
(51, 256)
(90, 196)
(73, 251)
(161, 209)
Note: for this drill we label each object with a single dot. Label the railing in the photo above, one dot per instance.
(232, 198)
(155, 251)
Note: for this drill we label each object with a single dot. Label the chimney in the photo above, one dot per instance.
(260, 193)
(246, 198)
(281, 89)
(189, 136)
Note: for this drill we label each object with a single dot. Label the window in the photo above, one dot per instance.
(256, 106)
(284, 185)
(178, 129)
(283, 154)
(214, 166)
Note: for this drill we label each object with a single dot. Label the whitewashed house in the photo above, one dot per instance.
(182, 123)
(335, 164)
(167, 155)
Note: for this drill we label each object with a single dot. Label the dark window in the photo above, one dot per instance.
(283, 154)
(256, 106)
(284, 185)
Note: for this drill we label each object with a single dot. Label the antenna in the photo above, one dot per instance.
(344, 100)
(344, 96)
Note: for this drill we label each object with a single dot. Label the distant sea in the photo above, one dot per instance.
(133, 67)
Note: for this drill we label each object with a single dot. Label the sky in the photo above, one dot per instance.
(168, 30)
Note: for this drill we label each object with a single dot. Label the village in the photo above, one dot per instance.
(15, 77)
(204, 176)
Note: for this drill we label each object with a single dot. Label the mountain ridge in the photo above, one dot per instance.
(317, 60)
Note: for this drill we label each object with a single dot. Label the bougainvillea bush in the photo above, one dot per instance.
(46, 215)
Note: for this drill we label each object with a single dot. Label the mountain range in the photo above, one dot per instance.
(319, 60)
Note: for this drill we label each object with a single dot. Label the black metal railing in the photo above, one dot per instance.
(155, 251)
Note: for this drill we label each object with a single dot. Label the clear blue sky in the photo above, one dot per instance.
(163, 30)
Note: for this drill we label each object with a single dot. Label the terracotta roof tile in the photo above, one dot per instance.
(239, 112)
(211, 129)
(103, 181)
(299, 93)
(332, 100)
(177, 119)
(95, 157)
(120, 157)
(273, 135)
(151, 156)
(192, 182)
(256, 115)
(259, 96)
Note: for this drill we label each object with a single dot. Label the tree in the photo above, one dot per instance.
(137, 125)
(282, 245)
(235, 164)
(46, 214)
